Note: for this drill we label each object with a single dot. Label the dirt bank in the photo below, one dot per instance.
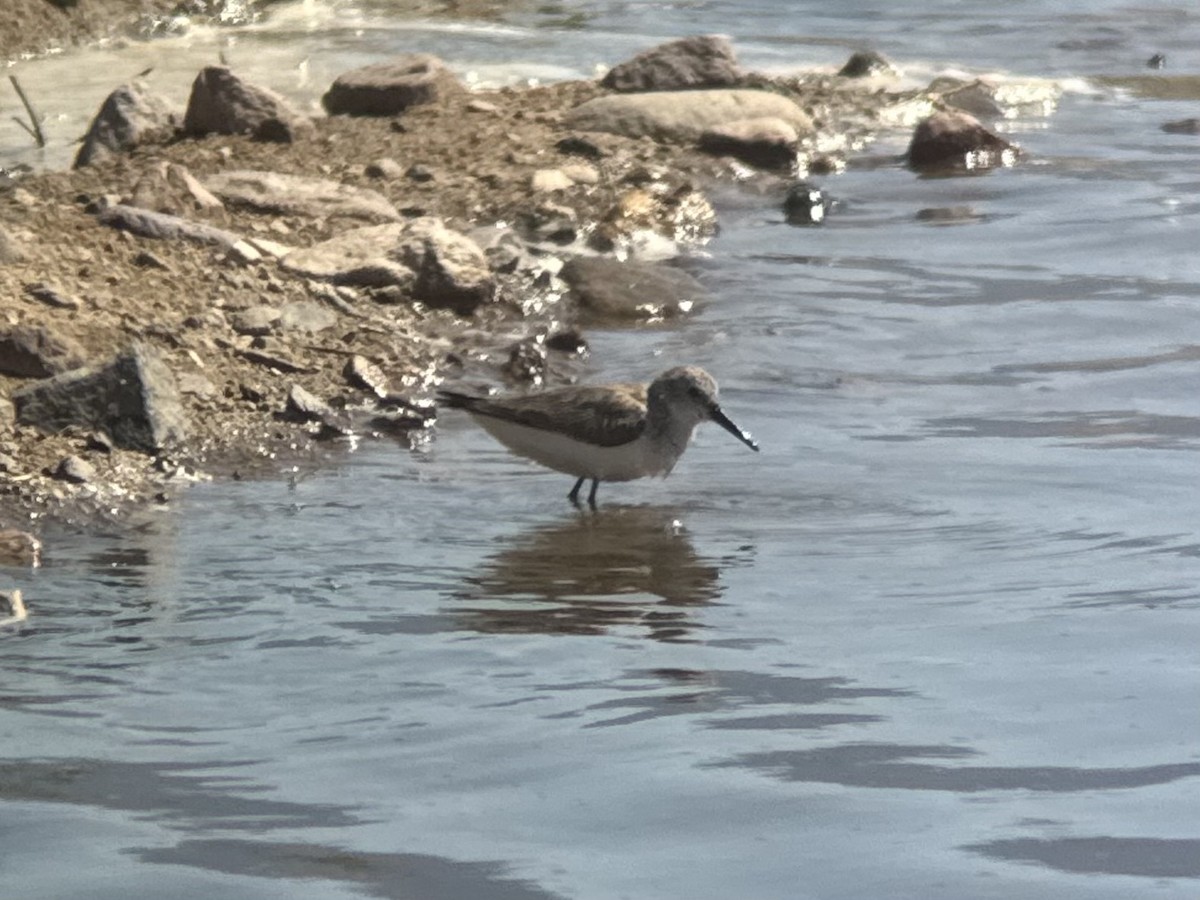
(471, 160)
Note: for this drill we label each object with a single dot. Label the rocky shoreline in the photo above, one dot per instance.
(230, 287)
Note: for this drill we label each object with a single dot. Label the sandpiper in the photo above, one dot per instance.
(612, 432)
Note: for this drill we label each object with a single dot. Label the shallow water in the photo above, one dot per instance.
(936, 640)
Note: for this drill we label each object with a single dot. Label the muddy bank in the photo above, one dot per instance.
(276, 357)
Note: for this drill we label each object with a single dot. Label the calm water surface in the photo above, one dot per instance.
(937, 640)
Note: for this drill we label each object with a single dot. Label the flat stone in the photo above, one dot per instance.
(703, 61)
(11, 249)
(306, 316)
(163, 226)
(296, 195)
(768, 143)
(223, 103)
(133, 398)
(437, 266)
(389, 88)
(610, 289)
(51, 296)
(75, 469)
(33, 351)
(546, 180)
(384, 168)
(129, 116)
(682, 116)
(257, 320)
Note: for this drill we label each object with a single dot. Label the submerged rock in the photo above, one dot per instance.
(683, 116)
(133, 398)
(610, 289)
(19, 548)
(389, 88)
(702, 61)
(957, 141)
(865, 63)
(804, 204)
(128, 116)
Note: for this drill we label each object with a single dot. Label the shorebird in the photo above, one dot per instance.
(612, 432)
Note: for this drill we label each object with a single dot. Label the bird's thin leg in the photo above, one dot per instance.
(592, 493)
(574, 495)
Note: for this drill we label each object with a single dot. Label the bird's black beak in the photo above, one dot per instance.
(725, 422)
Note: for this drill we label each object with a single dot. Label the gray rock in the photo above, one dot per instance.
(163, 226)
(306, 315)
(865, 63)
(362, 373)
(296, 195)
(11, 250)
(31, 351)
(452, 271)
(610, 289)
(703, 61)
(766, 143)
(682, 116)
(223, 103)
(50, 295)
(389, 88)
(133, 398)
(128, 116)
(304, 406)
(359, 257)
(439, 267)
(74, 469)
(957, 141)
(171, 188)
(384, 168)
(256, 320)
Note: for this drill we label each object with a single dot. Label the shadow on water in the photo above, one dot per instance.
(589, 573)
(890, 766)
(199, 798)
(191, 796)
(1145, 857)
(717, 693)
(378, 874)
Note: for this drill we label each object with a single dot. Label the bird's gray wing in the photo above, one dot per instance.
(607, 416)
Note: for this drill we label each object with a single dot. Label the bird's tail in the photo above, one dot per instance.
(455, 400)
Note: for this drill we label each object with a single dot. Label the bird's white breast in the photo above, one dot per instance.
(624, 462)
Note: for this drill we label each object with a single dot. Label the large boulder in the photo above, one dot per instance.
(128, 116)
(133, 399)
(606, 288)
(296, 195)
(683, 116)
(31, 351)
(705, 61)
(436, 266)
(957, 141)
(389, 88)
(223, 103)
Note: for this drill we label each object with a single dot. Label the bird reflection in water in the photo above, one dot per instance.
(622, 567)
